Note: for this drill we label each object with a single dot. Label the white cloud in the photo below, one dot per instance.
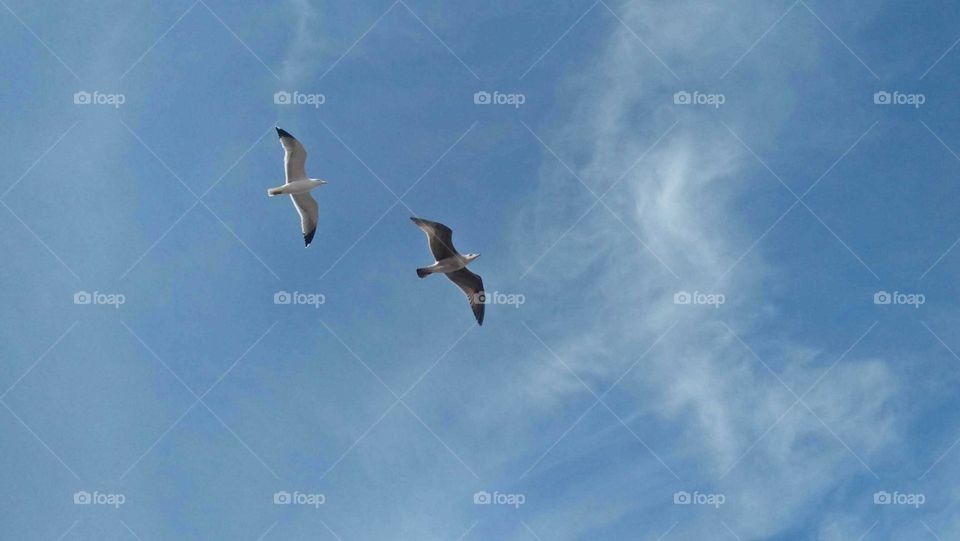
(682, 202)
(306, 44)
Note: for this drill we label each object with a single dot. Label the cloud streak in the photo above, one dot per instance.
(715, 412)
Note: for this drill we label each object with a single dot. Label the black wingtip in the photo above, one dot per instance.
(308, 238)
(479, 309)
(283, 133)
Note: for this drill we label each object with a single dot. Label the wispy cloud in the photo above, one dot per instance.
(306, 42)
(716, 412)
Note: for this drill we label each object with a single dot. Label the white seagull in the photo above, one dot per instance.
(451, 263)
(298, 184)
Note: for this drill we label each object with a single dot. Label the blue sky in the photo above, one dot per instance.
(788, 393)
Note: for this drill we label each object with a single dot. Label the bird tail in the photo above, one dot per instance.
(424, 272)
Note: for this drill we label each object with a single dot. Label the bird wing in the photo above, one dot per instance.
(308, 209)
(472, 286)
(439, 236)
(294, 156)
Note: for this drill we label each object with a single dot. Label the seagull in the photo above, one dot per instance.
(451, 263)
(298, 185)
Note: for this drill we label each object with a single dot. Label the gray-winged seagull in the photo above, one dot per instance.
(451, 263)
(298, 184)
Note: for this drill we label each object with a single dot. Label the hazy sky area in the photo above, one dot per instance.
(720, 242)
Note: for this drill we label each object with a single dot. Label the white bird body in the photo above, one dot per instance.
(451, 264)
(296, 187)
